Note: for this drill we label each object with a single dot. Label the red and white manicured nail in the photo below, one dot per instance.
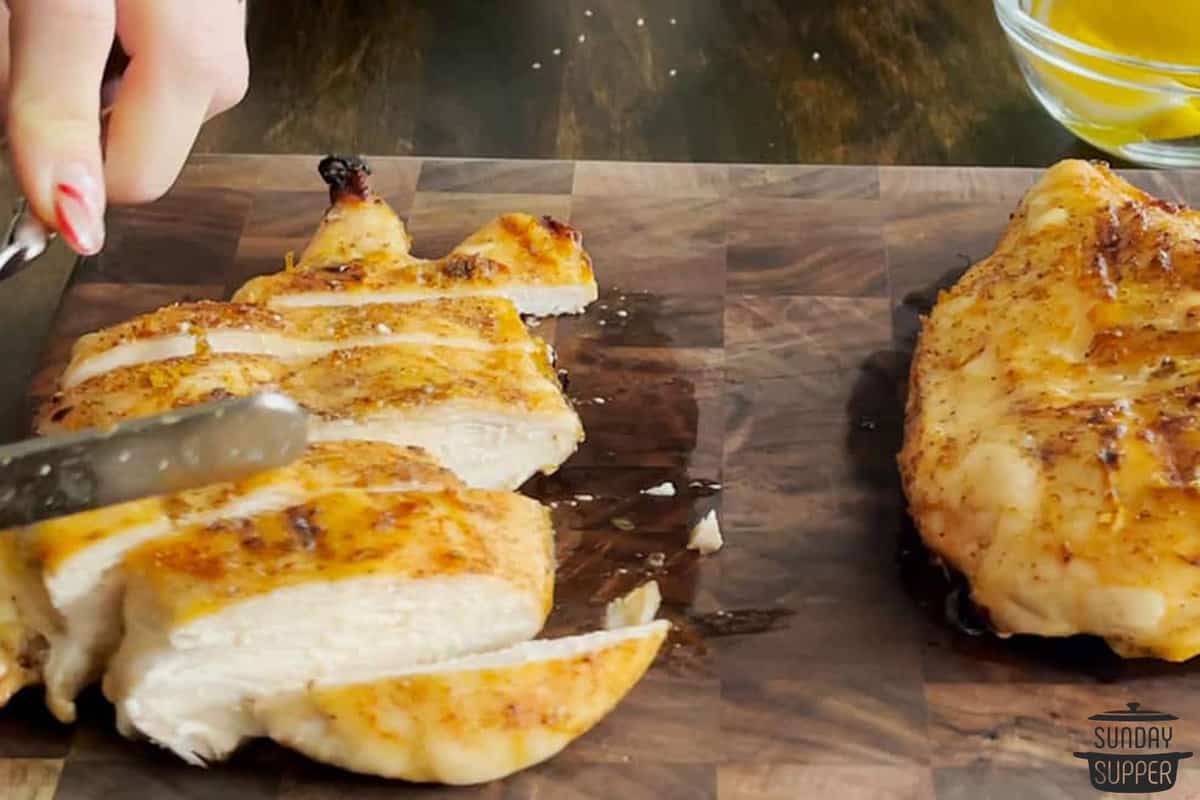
(78, 213)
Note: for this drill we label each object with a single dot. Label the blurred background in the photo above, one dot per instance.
(927, 82)
(838, 81)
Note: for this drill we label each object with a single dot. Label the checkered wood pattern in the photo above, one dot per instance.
(753, 329)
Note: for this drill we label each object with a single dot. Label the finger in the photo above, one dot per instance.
(180, 65)
(4, 62)
(151, 129)
(58, 52)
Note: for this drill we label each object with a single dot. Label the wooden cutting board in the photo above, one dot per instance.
(753, 331)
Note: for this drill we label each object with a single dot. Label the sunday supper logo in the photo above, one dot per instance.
(1133, 751)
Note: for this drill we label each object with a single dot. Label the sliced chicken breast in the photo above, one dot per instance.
(493, 418)
(470, 720)
(349, 586)
(181, 330)
(67, 581)
(360, 255)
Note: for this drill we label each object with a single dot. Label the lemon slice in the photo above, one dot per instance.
(1114, 114)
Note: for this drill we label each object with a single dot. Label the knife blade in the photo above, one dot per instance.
(223, 441)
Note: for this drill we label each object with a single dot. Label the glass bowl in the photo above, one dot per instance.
(1143, 111)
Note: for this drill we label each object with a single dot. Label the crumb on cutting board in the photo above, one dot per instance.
(664, 489)
(706, 536)
(639, 607)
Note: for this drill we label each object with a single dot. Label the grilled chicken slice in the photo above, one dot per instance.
(177, 331)
(492, 417)
(67, 576)
(471, 720)
(346, 587)
(1052, 447)
(22, 648)
(360, 255)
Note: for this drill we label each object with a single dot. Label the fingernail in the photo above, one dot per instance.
(77, 209)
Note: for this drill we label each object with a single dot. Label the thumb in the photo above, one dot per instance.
(58, 52)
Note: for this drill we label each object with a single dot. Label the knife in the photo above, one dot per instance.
(223, 441)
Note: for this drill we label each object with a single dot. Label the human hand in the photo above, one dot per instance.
(187, 63)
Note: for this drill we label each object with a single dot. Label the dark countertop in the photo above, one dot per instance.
(828, 81)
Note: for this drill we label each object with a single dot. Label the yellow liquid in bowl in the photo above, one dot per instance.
(1153, 30)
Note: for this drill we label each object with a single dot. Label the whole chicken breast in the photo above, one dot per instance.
(472, 720)
(1052, 443)
(494, 418)
(65, 573)
(347, 587)
(360, 255)
(184, 329)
